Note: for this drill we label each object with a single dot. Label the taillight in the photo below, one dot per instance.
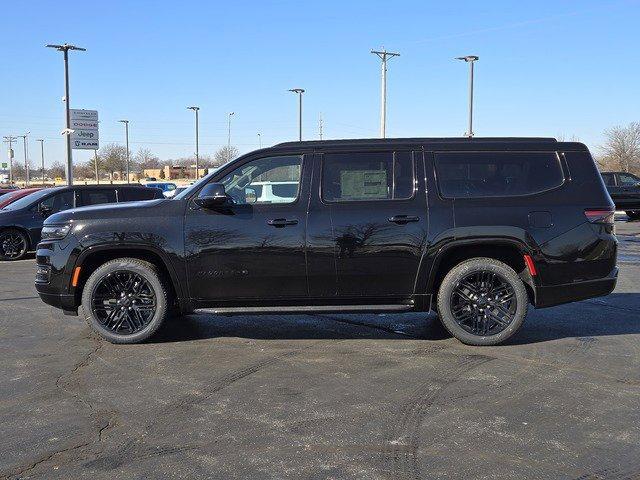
(600, 215)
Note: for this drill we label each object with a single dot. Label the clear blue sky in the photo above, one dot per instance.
(546, 68)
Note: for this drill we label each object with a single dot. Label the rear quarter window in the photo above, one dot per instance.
(497, 174)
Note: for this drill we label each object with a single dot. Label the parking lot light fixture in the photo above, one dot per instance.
(299, 92)
(65, 50)
(196, 110)
(126, 132)
(470, 59)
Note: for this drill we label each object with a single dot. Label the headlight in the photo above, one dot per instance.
(55, 232)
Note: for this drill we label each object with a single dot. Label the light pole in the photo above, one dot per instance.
(42, 155)
(196, 110)
(10, 139)
(126, 132)
(65, 49)
(260, 139)
(229, 136)
(26, 161)
(384, 56)
(470, 59)
(299, 91)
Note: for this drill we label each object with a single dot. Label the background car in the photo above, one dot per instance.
(21, 221)
(168, 188)
(624, 189)
(14, 195)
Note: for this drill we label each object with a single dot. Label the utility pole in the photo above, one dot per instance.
(259, 140)
(320, 125)
(42, 156)
(470, 59)
(26, 161)
(299, 91)
(384, 56)
(65, 49)
(95, 165)
(196, 109)
(229, 137)
(126, 132)
(10, 139)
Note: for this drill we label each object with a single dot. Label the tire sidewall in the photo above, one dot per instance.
(150, 274)
(460, 271)
(25, 240)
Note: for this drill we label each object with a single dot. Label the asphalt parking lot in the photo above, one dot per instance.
(323, 396)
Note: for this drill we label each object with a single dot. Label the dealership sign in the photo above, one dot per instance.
(84, 129)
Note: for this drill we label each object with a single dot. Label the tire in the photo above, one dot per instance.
(471, 315)
(125, 300)
(14, 244)
(633, 214)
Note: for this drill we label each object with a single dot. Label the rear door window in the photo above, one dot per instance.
(136, 194)
(627, 180)
(497, 174)
(367, 176)
(96, 196)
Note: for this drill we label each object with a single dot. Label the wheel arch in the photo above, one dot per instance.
(21, 229)
(508, 250)
(93, 257)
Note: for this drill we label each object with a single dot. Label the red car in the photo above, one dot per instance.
(14, 195)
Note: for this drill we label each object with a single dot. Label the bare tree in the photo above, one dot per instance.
(56, 170)
(224, 155)
(114, 158)
(622, 148)
(84, 171)
(145, 159)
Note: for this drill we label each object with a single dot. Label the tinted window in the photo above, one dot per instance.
(95, 197)
(348, 177)
(28, 200)
(58, 202)
(627, 180)
(497, 174)
(135, 194)
(239, 184)
(609, 180)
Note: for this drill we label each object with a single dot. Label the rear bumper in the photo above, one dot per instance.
(572, 292)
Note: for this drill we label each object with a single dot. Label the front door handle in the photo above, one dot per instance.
(281, 222)
(402, 219)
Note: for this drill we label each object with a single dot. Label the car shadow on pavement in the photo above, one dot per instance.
(615, 314)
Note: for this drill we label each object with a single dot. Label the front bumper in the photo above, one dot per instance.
(54, 266)
(572, 292)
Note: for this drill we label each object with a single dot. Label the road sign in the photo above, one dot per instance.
(84, 124)
(5, 165)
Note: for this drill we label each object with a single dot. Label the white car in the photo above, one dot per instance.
(272, 192)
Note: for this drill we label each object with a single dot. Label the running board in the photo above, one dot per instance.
(307, 309)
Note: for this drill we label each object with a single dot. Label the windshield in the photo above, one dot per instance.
(28, 200)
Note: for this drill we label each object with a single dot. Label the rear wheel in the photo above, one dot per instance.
(633, 214)
(482, 301)
(13, 244)
(125, 300)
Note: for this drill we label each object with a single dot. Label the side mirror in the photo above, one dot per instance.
(211, 195)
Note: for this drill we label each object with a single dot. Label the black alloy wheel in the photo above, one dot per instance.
(123, 302)
(126, 300)
(483, 303)
(13, 245)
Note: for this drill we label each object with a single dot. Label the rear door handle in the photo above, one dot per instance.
(281, 222)
(402, 219)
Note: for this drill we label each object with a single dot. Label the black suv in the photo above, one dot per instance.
(476, 229)
(624, 189)
(21, 221)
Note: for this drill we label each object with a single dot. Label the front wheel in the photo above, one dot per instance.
(482, 301)
(125, 300)
(633, 214)
(13, 244)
